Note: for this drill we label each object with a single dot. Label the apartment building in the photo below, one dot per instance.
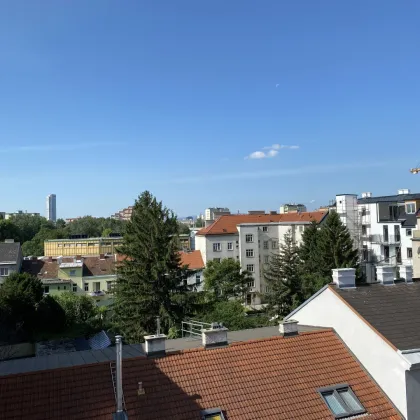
(250, 239)
(8, 216)
(51, 208)
(381, 228)
(292, 208)
(81, 246)
(212, 213)
(124, 214)
(10, 258)
(94, 276)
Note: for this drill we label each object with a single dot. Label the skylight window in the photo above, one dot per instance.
(213, 414)
(341, 401)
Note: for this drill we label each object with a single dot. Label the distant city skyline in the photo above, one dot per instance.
(207, 103)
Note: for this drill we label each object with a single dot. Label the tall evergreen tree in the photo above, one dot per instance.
(335, 246)
(283, 278)
(151, 281)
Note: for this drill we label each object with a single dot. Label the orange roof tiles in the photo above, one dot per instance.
(193, 259)
(275, 378)
(228, 224)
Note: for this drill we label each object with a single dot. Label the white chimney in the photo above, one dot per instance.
(288, 328)
(403, 191)
(406, 273)
(366, 194)
(155, 345)
(385, 274)
(344, 277)
(216, 336)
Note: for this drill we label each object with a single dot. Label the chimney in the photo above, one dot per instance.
(366, 194)
(403, 191)
(288, 328)
(120, 414)
(385, 274)
(216, 336)
(344, 278)
(156, 344)
(406, 273)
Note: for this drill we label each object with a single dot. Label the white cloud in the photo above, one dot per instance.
(312, 201)
(57, 147)
(280, 146)
(256, 155)
(272, 153)
(305, 170)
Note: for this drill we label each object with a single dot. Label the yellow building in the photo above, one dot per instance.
(87, 246)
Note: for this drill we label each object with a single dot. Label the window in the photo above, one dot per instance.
(265, 244)
(74, 287)
(72, 273)
(58, 287)
(409, 252)
(249, 237)
(108, 286)
(410, 208)
(65, 287)
(341, 401)
(266, 259)
(251, 283)
(86, 287)
(249, 253)
(250, 267)
(230, 246)
(300, 228)
(274, 245)
(408, 232)
(213, 414)
(198, 278)
(265, 228)
(97, 286)
(4, 271)
(397, 233)
(217, 246)
(365, 253)
(216, 259)
(46, 289)
(267, 289)
(364, 230)
(385, 229)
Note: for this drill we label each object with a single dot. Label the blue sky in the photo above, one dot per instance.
(102, 99)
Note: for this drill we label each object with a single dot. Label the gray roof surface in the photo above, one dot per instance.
(85, 357)
(410, 220)
(9, 252)
(389, 198)
(394, 311)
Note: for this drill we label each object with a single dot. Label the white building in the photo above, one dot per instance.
(379, 324)
(212, 213)
(292, 208)
(8, 216)
(250, 239)
(194, 262)
(51, 208)
(381, 227)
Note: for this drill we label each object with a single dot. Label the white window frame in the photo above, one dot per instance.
(74, 288)
(250, 268)
(197, 278)
(265, 244)
(217, 247)
(249, 253)
(249, 238)
(4, 271)
(274, 245)
(230, 246)
(265, 229)
(266, 259)
(407, 205)
(408, 232)
(86, 287)
(251, 283)
(411, 251)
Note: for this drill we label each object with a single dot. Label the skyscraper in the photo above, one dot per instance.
(51, 208)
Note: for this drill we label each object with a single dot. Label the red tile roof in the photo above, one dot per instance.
(228, 224)
(193, 259)
(275, 378)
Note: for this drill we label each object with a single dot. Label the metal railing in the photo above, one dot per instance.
(382, 239)
(193, 329)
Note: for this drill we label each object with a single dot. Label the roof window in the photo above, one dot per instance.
(341, 401)
(212, 414)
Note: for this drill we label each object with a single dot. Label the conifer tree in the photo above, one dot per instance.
(283, 278)
(151, 281)
(335, 247)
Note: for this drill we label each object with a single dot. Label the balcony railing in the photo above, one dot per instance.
(381, 239)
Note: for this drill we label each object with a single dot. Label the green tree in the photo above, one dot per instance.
(183, 228)
(335, 247)
(199, 223)
(60, 224)
(151, 281)
(106, 232)
(283, 278)
(20, 295)
(29, 225)
(51, 317)
(94, 227)
(8, 230)
(78, 309)
(36, 245)
(224, 279)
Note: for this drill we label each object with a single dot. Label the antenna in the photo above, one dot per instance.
(158, 325)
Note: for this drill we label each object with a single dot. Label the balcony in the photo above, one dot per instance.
(387, 240)
(416, 234)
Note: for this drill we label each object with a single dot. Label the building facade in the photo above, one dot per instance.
(194, 261)
(51, 208)
(8, 216)
(124, 214)
(381, 228)
(251, 239)
(85, 247)
(292, 208)
(10, 258)
(212, 213)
